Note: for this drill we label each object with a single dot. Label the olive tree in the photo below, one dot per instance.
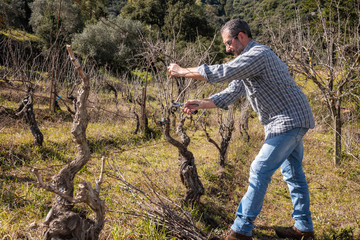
(54, 20)
(112, 42)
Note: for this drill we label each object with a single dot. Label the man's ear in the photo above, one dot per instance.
(242, 35)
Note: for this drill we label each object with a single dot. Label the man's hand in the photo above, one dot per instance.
(175, 70)
(193, 105)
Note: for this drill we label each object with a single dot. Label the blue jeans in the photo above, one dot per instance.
(285, 151)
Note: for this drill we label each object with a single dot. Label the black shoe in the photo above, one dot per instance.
(294, 233)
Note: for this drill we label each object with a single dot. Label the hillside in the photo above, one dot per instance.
(88, 82)
(334, 190)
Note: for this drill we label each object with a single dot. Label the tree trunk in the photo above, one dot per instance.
(188, 172)
(190, 178)
(143, 122)
(137, 122)
(54, 106)
(26, 107)
(222, 159)
(223, 152)
(62, 222)
(143, 116)
(337, 141)
(244, 119)
(337, 131)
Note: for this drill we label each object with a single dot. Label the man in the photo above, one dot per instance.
(283, 110)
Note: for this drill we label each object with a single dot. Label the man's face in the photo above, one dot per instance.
(233, 43)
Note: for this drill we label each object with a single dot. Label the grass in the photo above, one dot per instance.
(19, 35)
(334, 191)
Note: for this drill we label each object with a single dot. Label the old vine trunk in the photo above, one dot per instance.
(188, 172)
(62, 222)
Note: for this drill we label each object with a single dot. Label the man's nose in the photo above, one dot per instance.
(228, 49)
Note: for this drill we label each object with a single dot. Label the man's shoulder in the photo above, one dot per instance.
(259, 47)
(262, 51)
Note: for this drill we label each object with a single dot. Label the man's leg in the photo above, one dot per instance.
(292, 170)
(271, 156)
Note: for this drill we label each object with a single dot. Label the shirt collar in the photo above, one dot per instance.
(248, 46)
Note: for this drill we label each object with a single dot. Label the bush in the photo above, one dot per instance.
(111, 42)
(44, 20)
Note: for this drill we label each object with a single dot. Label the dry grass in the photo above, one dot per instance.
(334, 190)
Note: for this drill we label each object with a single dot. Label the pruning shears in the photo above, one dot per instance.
(181, 105)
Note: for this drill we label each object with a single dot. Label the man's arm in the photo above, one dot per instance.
(177, 71)
(229, 95)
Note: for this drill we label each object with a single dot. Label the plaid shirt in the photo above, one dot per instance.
(260, 75)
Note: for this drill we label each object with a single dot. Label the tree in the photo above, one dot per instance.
(188, 172)
(26, 108)
(112, 42)
(226, 127)
(150, 12)
(16, 61)
(18, 13)
(187, 19)
(55, 20)
(62, 222)
(157, 54)
(182, 17)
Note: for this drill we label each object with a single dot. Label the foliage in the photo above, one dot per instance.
(93, 10)
(336, 14)
(150, 12)
(15, 13)
(112, 42)
(115, 6)
(188, 19)
(44, 20)
(20, 35)
(215, 11)
(174, 17)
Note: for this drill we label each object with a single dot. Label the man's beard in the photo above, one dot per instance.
(232, 52)
(235, 53)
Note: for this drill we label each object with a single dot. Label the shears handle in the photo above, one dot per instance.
(193, 105)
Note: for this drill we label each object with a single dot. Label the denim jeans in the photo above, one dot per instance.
(285, 151)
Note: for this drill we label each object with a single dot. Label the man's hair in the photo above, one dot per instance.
(235, 26)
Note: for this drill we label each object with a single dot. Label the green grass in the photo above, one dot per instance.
(19, 35)
(334, 190)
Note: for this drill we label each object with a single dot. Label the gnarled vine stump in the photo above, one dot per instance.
(62, 222)
(188, 172)
(27, 110)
